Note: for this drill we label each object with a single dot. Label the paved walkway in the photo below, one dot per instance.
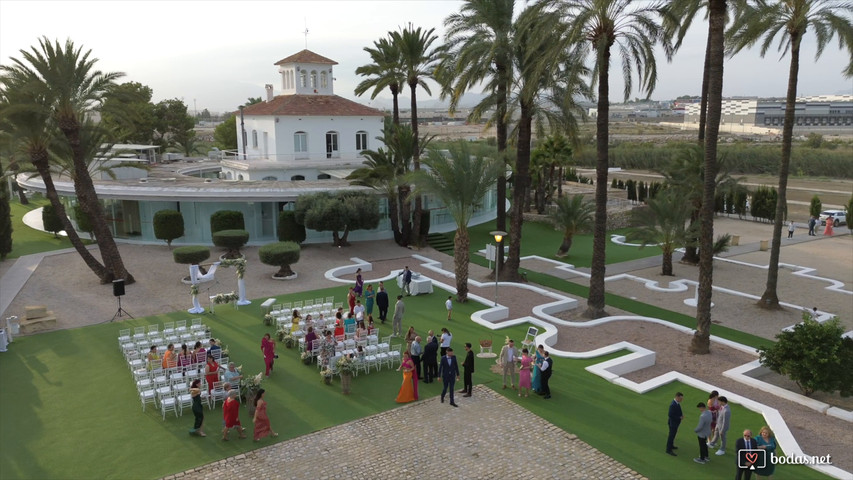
(426, 438)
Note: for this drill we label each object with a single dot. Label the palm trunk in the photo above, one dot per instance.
(501, 134)
(394, 218)
(666, 268)
(395, 90)
(461, 258)
(595, 302)
(50, 192)
(703, 101)
(521, 181)
(416, 163)
(701, 342)
(560, 183)
(565, 246)
(770, 298)
(405, 215)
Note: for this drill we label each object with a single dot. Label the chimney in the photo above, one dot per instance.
(269, 90)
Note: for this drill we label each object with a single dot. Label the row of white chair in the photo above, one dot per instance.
(171, 330)
(317, 304)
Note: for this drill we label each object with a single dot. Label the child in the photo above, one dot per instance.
(449, 305)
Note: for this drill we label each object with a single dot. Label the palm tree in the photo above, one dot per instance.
(763, 20)
(419, 60)
(596, 26)
(460, 181)
(385, 71)
(479, 49)
(661, 223)
(26, 125)
(71, 87)
(571, 214)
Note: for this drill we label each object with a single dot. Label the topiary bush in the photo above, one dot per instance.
(231, 240)
(282, 255)
(191, 254)
(51, 220)
(84, 224)
(226, 220)
(168, 225)
(289, 230)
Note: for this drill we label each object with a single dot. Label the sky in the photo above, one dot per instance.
(215, 54)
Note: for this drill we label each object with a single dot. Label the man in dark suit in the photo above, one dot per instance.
(745, 458)
(382, 302)
(430, 360)
(547, 369)
(448, 368)
(468, 366)
(673, 421)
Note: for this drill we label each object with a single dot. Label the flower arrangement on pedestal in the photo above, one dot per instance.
(346, 369)
(326, 375)
(307, 357)
(221, 298)
(288, 340)
(269, 319)
(249, 387)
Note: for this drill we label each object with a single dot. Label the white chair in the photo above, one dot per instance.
(184, 400)
(139, 334)
(168, 403)
(371, 360)
(529, 341)
(168, 328)
(287, 308)
(318, 302)
(297, 305)
(162, 393)
(276, 310)
(146, 396)
(196, 324)
(330, 301)
(395, 356)
(216, 394)
(153, 331)
(124, 337)
(180, 326)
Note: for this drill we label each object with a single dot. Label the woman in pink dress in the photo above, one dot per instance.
(409, 389)
(828, 229)
(268, 347)
(261, 420)
(524, 373)
(351, 301)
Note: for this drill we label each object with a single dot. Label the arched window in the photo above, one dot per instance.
(313, 79)
(296, 178)
(240, 177)
(324, 176)
(303, 78)
(229, 176)
(360, 141)
(271, 178)
(324, 80)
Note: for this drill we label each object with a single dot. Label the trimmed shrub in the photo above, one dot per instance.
(815, 206)
(226, 220)
(168, 225)
(191, 254)
(282, 255)
(289, 230)
(51, 220)
(231, 240)
(84, 223)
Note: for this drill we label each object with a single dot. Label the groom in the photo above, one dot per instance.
(448, 370)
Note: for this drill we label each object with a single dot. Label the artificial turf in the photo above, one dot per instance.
(70, 408)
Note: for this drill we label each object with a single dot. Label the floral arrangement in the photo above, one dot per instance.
(249, 386)
(239, 263)
(269, 319)
(194, 289)
(281, 333)
(346, 365)
(326, 374)
(306, 357)
(221, 298)
(288, 341)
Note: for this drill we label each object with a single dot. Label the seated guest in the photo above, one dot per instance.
(349, 323)
(213, 346)
(371, 328)
(360, 331)
(185, 358)
(232, 376)
(197, 348)
(152, 357)
(339, 324)
(169, 359)
(309, 320)
(309, 339)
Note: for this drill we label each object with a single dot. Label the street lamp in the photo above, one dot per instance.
(499, 235)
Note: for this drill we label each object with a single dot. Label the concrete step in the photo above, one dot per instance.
(35, 325)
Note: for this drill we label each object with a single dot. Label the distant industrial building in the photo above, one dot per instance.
(824, 112)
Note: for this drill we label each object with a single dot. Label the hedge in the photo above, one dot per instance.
(191, 254)
(289, 230)
(226, 220)
(168, 225)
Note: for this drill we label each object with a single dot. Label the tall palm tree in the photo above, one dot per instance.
(597, 26)
(460, 181)
(479, 49)
(419, 59)
(385, 72)
(764, 21)
(26, 125)
(662, 223)
(66, 77)
(571, 214)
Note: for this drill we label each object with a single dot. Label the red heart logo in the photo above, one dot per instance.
(752, 457)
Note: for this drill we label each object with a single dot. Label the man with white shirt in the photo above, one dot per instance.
(449, 306)
(507, 359)
(546, 369)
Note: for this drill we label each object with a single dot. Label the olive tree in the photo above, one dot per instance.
(282, 255)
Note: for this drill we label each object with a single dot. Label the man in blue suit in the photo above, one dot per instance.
(674, 421)
(448, 369)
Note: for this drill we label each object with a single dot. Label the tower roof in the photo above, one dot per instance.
(306, 56)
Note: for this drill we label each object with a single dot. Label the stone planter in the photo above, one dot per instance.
(327, 380)
(346, 384)
(292, 277)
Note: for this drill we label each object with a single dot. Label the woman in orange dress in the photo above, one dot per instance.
(211, 371)
(828, 229)
(169, 359)
(261, 420)
(409, 390)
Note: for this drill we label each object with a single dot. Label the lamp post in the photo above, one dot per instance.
(499, 235)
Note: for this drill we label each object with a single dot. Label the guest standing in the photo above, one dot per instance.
(397, 323)
(674, 418)
(416, 350)
(703, 430)
(524, 373)
(448, 368)
(410, 337)
(468, 368)
(507, 359)
(231, 415)
(430, 359)
(211, 371)
(359, 283)
(547, 370)
(407, 280)
(539, 356)
(268, 348)
(369, 298)
(767, 442)
(828, 229)
(812, 223)
(382, 303)
(791, 229)
(351, 301)
(446, 338)
(408, 390)
(198, 410)
(261, 420)
(713, 406)
(449, 306)
(744, 443)
(724, 417)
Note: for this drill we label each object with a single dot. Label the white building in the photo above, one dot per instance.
(306, 132)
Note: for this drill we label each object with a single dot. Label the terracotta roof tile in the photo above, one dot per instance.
(306, 56)
(311, 105)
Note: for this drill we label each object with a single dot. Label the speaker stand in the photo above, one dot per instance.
(120, 312)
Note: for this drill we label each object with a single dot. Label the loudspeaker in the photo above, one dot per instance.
(118, 287)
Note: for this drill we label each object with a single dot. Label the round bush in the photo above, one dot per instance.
(51, 220)
(280, 254)
(289, 230)
(84, 224)
(232, 240)
(191, 255)
(226, 220)
(168, 225)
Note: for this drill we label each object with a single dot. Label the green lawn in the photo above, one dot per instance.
(70, 408)
(25, 240)
(539, 238)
